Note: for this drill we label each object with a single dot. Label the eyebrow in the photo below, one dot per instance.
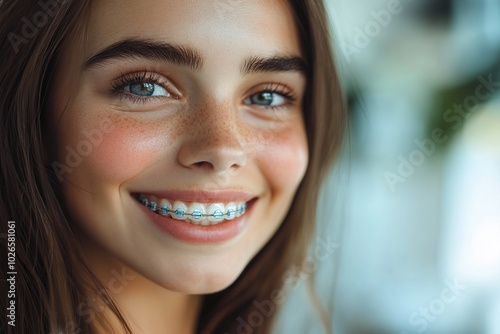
(273, 64)
(150, 50)
(189, 57)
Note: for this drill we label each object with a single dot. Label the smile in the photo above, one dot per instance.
(195, 213)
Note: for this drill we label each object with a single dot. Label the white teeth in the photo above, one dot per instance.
(153, 203)
(216, 213)
(231, 211)
(179, 210)
(164, 207)
(196, 213)
(240, 210)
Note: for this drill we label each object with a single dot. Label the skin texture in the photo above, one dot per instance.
(205, 137)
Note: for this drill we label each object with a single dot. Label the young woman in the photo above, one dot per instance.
(161, 159)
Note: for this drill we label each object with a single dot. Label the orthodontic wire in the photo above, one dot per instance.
(164, 210)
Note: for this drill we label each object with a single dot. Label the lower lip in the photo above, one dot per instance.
(198, 234)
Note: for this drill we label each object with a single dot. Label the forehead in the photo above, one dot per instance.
(217, 28)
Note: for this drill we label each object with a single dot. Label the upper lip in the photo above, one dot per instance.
(202, 196)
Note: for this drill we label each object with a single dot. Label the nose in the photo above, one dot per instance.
(215, 142)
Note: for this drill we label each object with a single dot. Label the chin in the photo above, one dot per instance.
(197, 280)
(203, 284)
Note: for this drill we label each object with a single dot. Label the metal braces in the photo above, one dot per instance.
(195, 215)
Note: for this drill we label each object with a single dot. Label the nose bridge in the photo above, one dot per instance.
(218, 124)
(215, 140)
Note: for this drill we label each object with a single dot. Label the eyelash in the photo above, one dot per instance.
(117, 89)
(281, 89)
(117, 86)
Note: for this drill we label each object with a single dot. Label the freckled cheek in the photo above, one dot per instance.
(283, 161)
(121, 152)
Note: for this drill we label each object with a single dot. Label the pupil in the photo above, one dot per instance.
(142, 89)
(265, 98)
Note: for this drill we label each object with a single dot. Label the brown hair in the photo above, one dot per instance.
(51, 280)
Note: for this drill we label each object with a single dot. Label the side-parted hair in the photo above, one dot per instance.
(52, 280)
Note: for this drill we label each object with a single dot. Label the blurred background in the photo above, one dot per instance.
(413, 205)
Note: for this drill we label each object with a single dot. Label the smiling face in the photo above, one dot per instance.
(193, 107)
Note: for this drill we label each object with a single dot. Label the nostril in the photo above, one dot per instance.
(212, 156)
(204, 164)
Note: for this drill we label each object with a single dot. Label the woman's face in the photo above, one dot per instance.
(194, 106)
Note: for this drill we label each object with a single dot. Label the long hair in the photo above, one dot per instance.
(52, 281)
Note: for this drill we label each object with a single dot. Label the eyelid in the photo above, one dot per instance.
(118, 85)
(275, 87)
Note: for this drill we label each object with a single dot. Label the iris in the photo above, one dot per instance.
(142, 89)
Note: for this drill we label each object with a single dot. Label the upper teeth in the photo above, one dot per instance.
(197, 213)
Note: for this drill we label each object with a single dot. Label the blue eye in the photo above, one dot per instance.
(266, 99)
(145, 89)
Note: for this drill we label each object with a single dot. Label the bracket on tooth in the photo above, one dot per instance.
(178, 213)
(197, 215)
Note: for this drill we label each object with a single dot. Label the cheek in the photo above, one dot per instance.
(284, 158)
(123, 153)
(112, 149)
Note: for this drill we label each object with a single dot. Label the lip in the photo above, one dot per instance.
(198, 234)
(202, 196)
